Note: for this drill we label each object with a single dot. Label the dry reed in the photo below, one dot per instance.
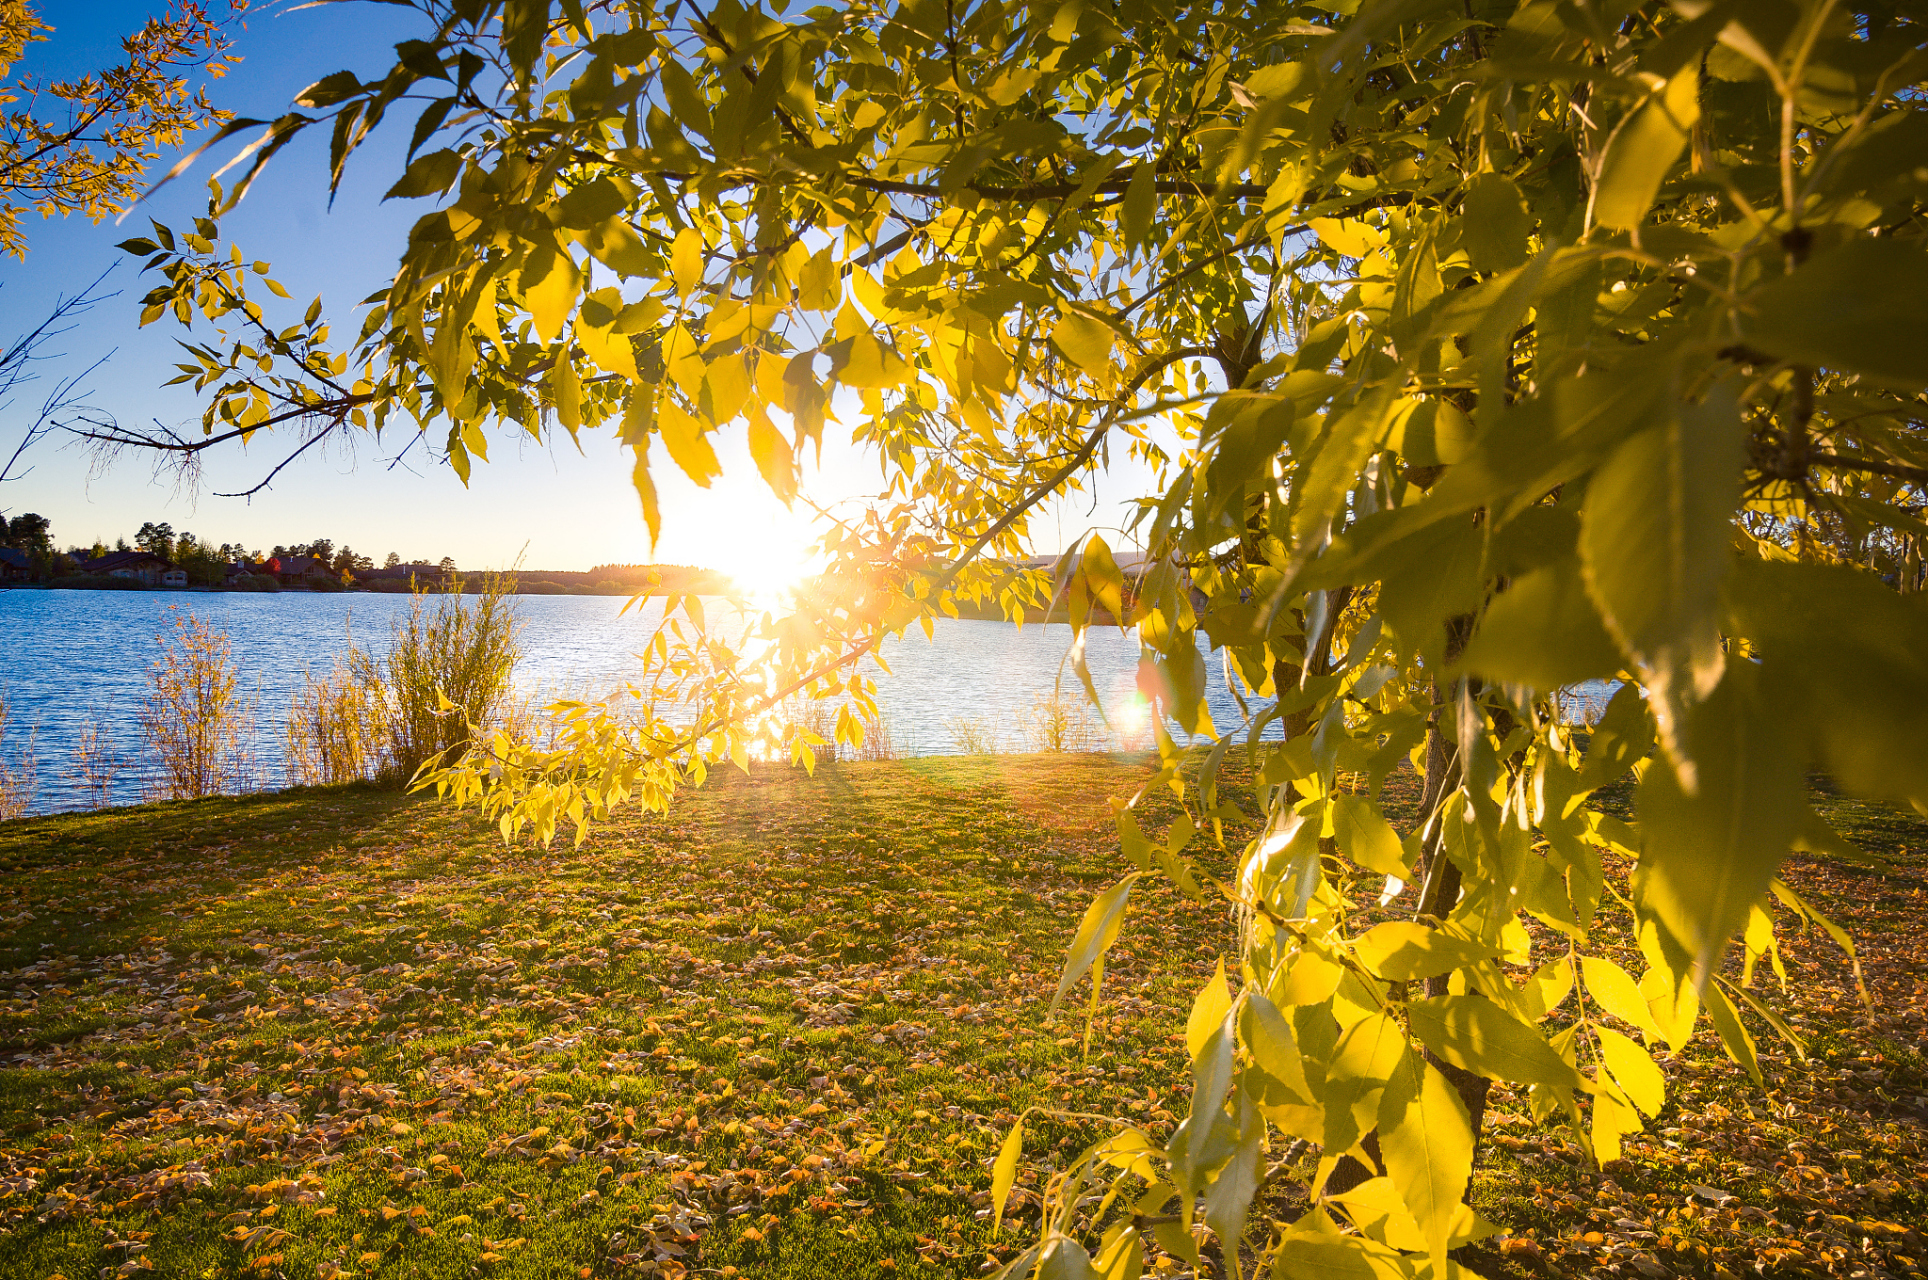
(95, 762)
(19, 770)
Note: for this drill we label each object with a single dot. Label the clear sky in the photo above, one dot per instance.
(548, 506)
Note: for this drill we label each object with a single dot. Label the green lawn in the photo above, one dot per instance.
(777, 1033)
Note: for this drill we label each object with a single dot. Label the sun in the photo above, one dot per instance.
(767, 573)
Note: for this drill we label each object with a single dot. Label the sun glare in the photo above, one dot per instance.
(768, 575)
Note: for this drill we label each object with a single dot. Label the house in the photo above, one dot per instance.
(232, 573)
(174, 577)
(296, 571)
(15, 566)
(141, 565)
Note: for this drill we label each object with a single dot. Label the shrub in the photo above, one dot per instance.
(197, 719)
(445, 678)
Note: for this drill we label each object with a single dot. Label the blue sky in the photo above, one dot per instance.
(549, 506)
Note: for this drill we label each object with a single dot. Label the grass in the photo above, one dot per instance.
(777, 1033)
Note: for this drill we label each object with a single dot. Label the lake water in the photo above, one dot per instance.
(68, 658)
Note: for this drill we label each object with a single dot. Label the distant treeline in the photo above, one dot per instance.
(620, 580)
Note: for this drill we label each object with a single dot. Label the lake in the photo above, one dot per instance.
(71, 657)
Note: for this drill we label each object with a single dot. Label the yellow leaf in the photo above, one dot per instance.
(1613, 990)
(773, 457)
(688, 446)
(1406, 949)
(1633, 1070)
(684, 364)
(1208, 1010)
(686, 261)
(1613, 1119)
(565, 391)
(1426, 1142)
(1084, 341)
(1349, 237)
(609, 349)
(549, 286)
(1005, 1171)
(728, 382)
(866, 366)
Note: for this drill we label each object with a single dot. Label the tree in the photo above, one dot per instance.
(81, 146)
(390, 560)
(156, 539)
(1492, 348)
(27, 532)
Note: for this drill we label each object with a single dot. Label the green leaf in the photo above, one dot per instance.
(1096, 933)
(1268, 1037)
(139, 246)
(1435, 433)
(1426, 1142)
(329, 90)
(1655, 540)
(1403, 950)
(1543, 632)
(1496, 223)
(1623, 737)
(1644, 148)
(1063, 1258)
(1366, 837)
(1209, 1007)
(1856, 308)
(1315, 1250)
(430, 175)
(1709, 853)
(1005, 1171)
(1229, 1196)
(1876, 642)
(1471, 1031)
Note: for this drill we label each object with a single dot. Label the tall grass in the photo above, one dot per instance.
(335, 726)
(1057, 722)
(19, 769)
(94, 762)
(446, 675)
(820, 720)
(197, 719)
(972, 736)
